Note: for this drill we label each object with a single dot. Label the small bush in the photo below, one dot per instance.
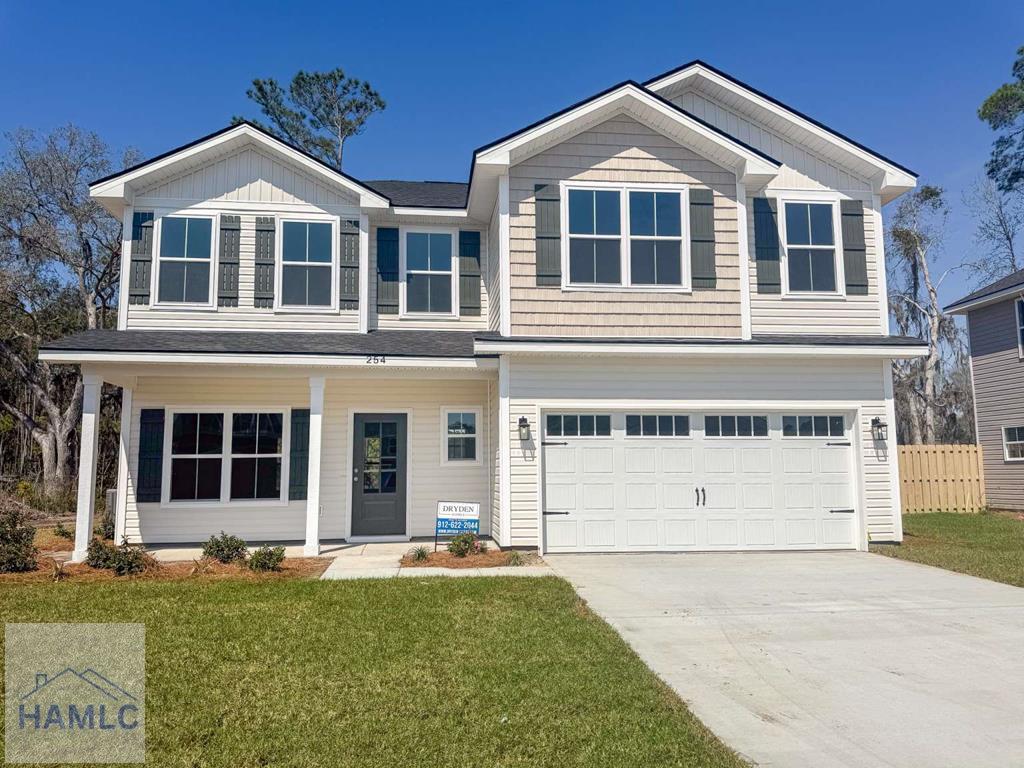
(267, 558)
(61, 531)
(17, 548)
(100, 554)
(105, 527)
(515, 558)
(420, 553)
(465, 543)
(225, 548)
(127, 560)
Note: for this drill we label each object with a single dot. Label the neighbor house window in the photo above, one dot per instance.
(461, 428)
(812, 426)
(1020, 326)
(430, 272)
(307, 263)
(655, 238)
(736, 426)
(578, 425)
(257, 442)
(811, 247)
(657, 425)
(197, 452)
(185, 254)
(1013, 443)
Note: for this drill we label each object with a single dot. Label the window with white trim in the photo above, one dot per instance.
(307, 264)
(1020, 326)
(811, 247)
(627, 236)
(429, 272)
(257, 444)
(578, 425)
(197, 454)
(1013, 443)
(657, 425)
(460, 427)
(812, 425)
(735, 426)
(185, 254)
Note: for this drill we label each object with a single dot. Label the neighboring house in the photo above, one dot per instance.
(655, 320)
(995, 329)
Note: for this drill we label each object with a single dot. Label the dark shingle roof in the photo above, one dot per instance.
(1005, 284)
(398, 343)
(422, 194)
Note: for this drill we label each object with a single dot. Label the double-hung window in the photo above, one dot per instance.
(197, 453)
(811, 247)
(430, 272)
(460, 433)
(307, 264)
(185, 253)
(627, 236)
(1013, 443)
(1019, 304)
(257, 442)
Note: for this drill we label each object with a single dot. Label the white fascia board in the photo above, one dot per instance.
(116, 187)
(895, 180)
(984, 301)
(694, 350)
(308, 361)
(455, 213)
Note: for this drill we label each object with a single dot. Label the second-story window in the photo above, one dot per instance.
(306, 264)
(430, 272)
(811, 247)
(1020, 326)
(185, 255)
(655, 238)
(595, 236)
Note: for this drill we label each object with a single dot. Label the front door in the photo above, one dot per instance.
(378, 477)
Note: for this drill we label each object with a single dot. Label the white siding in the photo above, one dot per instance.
(631, 383)
(429, 482)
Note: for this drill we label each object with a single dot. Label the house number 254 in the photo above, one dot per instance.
(376, 359)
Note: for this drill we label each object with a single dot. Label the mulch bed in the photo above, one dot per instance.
(291, 568)
(444, 559)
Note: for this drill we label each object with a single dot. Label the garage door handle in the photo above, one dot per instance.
(841, 511)
(554, 513)
(703, 497)
(846, 444)
(553, 442)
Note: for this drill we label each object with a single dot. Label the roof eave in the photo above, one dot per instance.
(963, 306)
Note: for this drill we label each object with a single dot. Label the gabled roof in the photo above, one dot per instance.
(1001, 289)
(112, 190)
(422, 194)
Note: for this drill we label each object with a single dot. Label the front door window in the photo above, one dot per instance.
(380, 457)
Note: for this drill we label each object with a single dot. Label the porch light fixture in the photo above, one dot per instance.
(524, 429)
(879, 430)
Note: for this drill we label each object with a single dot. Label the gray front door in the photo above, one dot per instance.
(378, 477)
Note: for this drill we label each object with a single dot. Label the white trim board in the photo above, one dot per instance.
(692, 350)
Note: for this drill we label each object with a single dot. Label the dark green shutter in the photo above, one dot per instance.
(141, 264)
(766, 245)
(348, 264)
(151, 455)
(548, 233)
(469, 273)
(230, 245)
(387, 271)
(298, 461)
(263, 290)
(855, 258)
(702, 239)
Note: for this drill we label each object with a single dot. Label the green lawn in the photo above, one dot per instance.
(398, 672)
(989, 545)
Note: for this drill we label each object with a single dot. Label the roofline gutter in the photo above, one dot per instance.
(961, 307)
(350, 360)
(669, 349)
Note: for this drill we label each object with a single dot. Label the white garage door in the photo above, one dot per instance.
(618, 481)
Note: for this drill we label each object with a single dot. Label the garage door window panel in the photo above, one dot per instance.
(739, 425)
(578, 425)
(657, 425)
(812, 425)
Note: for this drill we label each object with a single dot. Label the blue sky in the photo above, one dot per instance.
(903, 78)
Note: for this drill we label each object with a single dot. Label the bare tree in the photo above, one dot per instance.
(59, 262)
(1000, 227)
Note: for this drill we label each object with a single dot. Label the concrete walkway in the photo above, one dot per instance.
(825, 659)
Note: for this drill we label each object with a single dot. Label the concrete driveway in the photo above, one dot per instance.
(825, 659)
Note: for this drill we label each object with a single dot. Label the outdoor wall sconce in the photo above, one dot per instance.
(879, 430)
(524, 429)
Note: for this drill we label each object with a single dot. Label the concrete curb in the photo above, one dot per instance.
(413, 573)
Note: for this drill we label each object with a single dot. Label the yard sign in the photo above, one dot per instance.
(455, 517)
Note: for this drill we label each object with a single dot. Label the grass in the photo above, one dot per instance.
(434, 672)
(989, 545)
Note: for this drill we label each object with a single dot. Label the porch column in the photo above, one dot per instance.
(120, 512)
(316, 415)
(87, 465)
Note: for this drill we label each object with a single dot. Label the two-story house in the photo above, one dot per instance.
(995, 330)
(655, 320)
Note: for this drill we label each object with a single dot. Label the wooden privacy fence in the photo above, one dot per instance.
(941, 478)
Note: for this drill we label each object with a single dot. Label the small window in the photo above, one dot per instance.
(736, 426)
(197, 449)
(1013, 443)
(660, 425)
(429, 259)
(306, 264)
(578, 425)
(810, 247)
(185, 255)
(813, 426)
(460, 434)
(655, 238)
(1020, 326)
(595, 240)
(257, 441)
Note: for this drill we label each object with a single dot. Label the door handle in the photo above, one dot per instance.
(704, 497)
(545, 512)
(697, 491)
(844, 444)
(841, 511)
(553, 442)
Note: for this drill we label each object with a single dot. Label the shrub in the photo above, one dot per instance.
(105, 527)
(127, 560)
(17, 548)
(515, 558)
(225, 548)
(267, 558)
(63, 532)
(465, 543)
(100, 554)
(420, 553)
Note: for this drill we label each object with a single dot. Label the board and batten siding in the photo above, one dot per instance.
(429, 482)
(687, 383)
(998, 376)
(622, 150)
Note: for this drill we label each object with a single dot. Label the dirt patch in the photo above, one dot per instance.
(48, 541)
(490, 559)
(291, 568)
